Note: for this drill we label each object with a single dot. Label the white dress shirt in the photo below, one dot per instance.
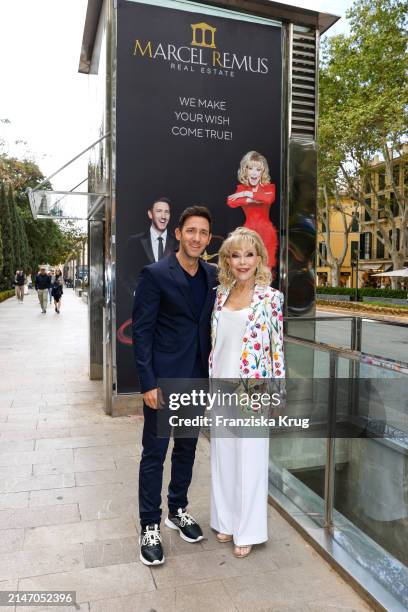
(154, 237)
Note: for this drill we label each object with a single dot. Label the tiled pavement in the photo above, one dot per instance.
(68, 496)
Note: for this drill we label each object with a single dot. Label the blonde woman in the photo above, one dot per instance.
(255, 193)
(247, 343)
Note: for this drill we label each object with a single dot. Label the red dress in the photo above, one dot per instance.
(257, 216)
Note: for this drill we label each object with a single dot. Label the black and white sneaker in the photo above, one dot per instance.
(185, 524)
(151, 551)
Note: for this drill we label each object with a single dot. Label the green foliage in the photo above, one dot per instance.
(8, 270)
(16, 229)
(365, 291)
(363, 109)
(336, 290)
(46, 242)
(363, 84)
(5, 295)
(1, 247)
(36, 241)
(20, 174)
(25, 247)
(390, 293)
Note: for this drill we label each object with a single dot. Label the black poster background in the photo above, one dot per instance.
(152, 163)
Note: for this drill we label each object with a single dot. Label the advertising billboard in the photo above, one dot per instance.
(198, 122)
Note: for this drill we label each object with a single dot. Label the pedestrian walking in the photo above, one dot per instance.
(19, 282)
(42, 285)
(51, 275)
(57, 290)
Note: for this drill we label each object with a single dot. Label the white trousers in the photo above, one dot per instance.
(239, 488)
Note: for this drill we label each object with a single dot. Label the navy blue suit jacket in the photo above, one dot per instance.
(167, 334)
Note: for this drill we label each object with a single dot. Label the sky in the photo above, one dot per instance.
(43, 95)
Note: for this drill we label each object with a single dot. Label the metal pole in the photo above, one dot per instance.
(46, 180)
(330, 445)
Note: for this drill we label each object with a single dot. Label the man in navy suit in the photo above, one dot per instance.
(171, 339)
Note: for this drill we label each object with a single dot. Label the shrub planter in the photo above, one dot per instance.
(365, 307)
(5, 295)
(367, 298)
(334, 297)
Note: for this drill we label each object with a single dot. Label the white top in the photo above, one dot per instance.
(228, 347)
(154, 237)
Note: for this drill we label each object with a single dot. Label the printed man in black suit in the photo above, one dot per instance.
(154, 244)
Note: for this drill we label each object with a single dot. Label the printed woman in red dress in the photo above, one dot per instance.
(256, 194)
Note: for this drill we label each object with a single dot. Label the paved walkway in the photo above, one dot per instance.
(68, 496)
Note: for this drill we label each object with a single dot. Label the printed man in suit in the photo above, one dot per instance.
(171, 340)
(154, 244)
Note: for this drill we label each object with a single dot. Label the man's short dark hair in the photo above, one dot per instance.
(194, 211)
(165, 200)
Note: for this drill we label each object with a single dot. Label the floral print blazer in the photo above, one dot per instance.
(262, 345)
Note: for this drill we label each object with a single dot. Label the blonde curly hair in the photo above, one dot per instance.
(249, 158)
(237, 239)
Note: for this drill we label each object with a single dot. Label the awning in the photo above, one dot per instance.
(402, 272)
(70, 204)
(383, 268)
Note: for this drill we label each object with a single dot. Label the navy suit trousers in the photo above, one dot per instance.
(151, 471)
(151, 467)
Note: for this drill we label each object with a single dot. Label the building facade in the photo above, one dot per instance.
(364, 239)
(379, 196)
(337, 243)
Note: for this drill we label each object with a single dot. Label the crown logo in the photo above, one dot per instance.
(201, 30)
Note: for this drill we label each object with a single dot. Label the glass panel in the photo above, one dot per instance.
(380, 248)
(387, 341)
(396, 174)
(336, 331)
(62, 205)
(297, 460)
(371, 473)
(381, 179)
(366, 213)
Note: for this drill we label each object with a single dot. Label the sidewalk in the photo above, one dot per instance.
(68, 496)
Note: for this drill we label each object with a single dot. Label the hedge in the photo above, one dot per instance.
(336, 290)
(390, 293)
(369, 291)
(5, 295)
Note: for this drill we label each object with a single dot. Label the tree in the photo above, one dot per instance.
(40, 240)
(326, 209)
(17, 236)
(20, 174)
(25, 247)
(8, 270)
(363, 111)
(1, 247)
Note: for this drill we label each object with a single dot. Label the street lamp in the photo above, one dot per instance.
(355, 264)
